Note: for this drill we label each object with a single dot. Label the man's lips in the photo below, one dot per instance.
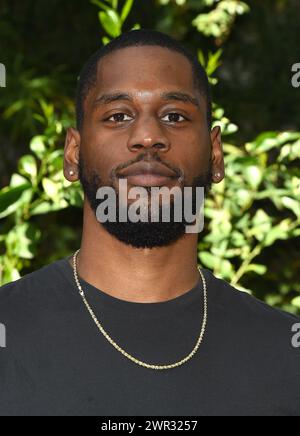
(149, 180)
(148, 174)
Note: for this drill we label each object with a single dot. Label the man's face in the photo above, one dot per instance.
(144, 108)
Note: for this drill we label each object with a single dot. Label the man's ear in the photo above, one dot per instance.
(217, 157)
(71, 154)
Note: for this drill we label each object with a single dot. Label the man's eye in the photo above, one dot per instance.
(174, 117)
(119, 118)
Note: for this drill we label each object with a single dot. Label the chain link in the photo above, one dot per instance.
(118, 348)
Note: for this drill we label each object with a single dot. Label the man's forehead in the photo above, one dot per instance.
(138, 73)
(143, 52)
(140, 64)
(144, 95)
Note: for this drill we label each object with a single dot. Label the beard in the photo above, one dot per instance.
(142, 234)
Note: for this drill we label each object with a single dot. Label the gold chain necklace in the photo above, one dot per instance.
(118, 348)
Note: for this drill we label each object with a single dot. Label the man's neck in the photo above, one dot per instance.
(137, 275)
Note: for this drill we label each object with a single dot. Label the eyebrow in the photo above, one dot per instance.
(167, 96)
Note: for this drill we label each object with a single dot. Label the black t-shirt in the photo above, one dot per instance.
(57, 362)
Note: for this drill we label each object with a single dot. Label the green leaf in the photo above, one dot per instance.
(231, 128)
(213, 62)
(137, 26)
(110, 22)
(296, 302)
(281, 231)
(21, 240)
(13, 108)
(225, 269)
(242, 289)
(258, 269)
(264, 142)
(100, 4)
(291, 204)
(253, 175)
(37, 146)
(42, 208)
(46, 207)
(51, 188)
(105, 40)
(126, 10)
(10, 199)
(17, 180)
(201, 58)
(261, 225)
(28, 166)
(237, 239)
(261, 218)
(75, 197)
(244, 198)
(208, 259)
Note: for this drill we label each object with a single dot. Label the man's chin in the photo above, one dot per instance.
(146, 234)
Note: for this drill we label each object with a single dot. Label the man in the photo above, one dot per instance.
(129, 326)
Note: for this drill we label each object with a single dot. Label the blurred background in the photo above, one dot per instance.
(252, 232)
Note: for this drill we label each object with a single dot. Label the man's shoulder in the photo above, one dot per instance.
(266, 335)
(230, 299)
(34, 285)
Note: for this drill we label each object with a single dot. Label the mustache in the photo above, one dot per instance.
(145, 157)
(89, 178)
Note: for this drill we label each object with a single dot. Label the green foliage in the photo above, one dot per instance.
(219, 21)
(38, 188)
(214, 18)
(211, 64)
(250, 216)
(27, 90)
(110, 19)
(255, 206)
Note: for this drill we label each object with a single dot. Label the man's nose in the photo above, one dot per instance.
(148, 133)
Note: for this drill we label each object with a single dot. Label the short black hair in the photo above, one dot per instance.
(134, 38)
